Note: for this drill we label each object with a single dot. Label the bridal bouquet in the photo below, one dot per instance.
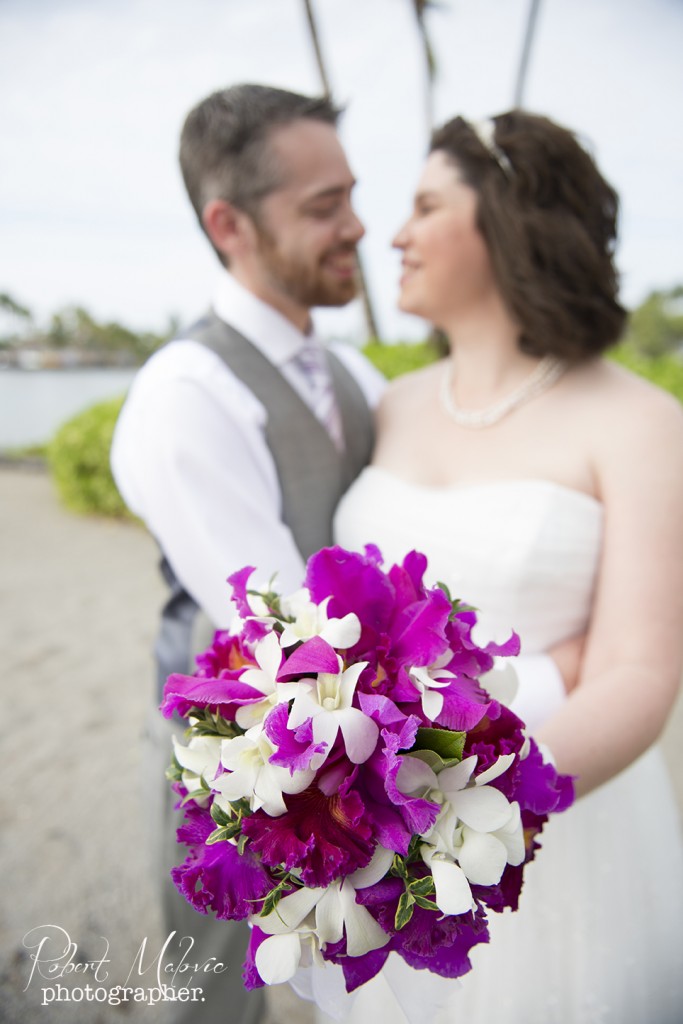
(350, 787)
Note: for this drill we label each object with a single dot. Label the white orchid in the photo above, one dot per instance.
(428, 680)
(328, 701)
(279, 957)
(250, 774)
(307, 920)
(501, 682)
(200, 759)
(477, 831)
(311, 620)
(268, 655)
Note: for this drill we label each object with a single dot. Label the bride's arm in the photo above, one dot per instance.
(634, 648)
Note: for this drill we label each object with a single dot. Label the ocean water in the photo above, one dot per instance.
(34, 403)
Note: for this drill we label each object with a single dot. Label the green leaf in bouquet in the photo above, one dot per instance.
(422, 886)
(425, 903)
(219, 835)
(204, 722)
(414, 850)
(274, 896)
(447, 744)
(241, 806)
(456, 604)
(230, 825)
(404, 911)
(174, 772)
(398, 867)
(421, 889)
(220, 816)
(430, 758)
(229, 831)
(241, 843)
(203, 789)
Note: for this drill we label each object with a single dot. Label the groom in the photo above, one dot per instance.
(238, 439)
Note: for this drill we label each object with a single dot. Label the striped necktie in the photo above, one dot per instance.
(313, 361)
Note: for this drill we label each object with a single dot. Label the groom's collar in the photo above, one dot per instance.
(271, 332)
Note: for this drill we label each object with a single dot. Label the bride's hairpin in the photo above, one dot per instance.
(486, 132)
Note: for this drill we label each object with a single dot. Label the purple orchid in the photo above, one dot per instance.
(499, 732)
(224, 695)
(541, 790)
(357, 969)
(216, 877)
(418, 814)
(250, 975)
(295, 749)
(243, 693)
(323, 837)
(253, 628)
(227, 653)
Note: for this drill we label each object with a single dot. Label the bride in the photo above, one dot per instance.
(545, 485)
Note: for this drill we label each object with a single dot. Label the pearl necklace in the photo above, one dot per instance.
(544, 376)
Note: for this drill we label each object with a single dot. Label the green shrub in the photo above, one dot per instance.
(78, 457)
(393, 360)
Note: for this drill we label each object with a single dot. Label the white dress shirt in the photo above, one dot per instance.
(190, 458)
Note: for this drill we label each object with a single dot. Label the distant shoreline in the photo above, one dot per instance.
(58, 360)
(32, 463)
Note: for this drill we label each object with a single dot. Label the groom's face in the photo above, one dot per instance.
(306, 229)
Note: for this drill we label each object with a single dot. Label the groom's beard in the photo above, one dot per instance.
(309, 279)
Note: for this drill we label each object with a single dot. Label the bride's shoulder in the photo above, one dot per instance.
(410, 390)
(620, 391)
(626, 405)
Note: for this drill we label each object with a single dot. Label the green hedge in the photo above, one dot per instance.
(78, 457)
(79, 454)
(404, 356)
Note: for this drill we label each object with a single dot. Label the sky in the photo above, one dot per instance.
(93, 95)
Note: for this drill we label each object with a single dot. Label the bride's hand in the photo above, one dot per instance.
(567, 655)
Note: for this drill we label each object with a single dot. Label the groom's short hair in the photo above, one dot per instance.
(224, 144)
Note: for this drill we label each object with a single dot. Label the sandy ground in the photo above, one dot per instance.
(78, 604)
(79, 599)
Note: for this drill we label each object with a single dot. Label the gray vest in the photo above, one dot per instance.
(312, 474)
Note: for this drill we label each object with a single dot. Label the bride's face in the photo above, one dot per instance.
(446, 265)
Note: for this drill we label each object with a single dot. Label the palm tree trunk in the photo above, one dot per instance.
(368, 310)
(534, 6)
(317, 49)
(420, 7)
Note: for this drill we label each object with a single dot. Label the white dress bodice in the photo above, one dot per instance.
(524, 552)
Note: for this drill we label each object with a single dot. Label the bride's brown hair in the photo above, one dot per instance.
(549, 219)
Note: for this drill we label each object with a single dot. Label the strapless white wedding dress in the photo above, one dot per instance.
(598, 938)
